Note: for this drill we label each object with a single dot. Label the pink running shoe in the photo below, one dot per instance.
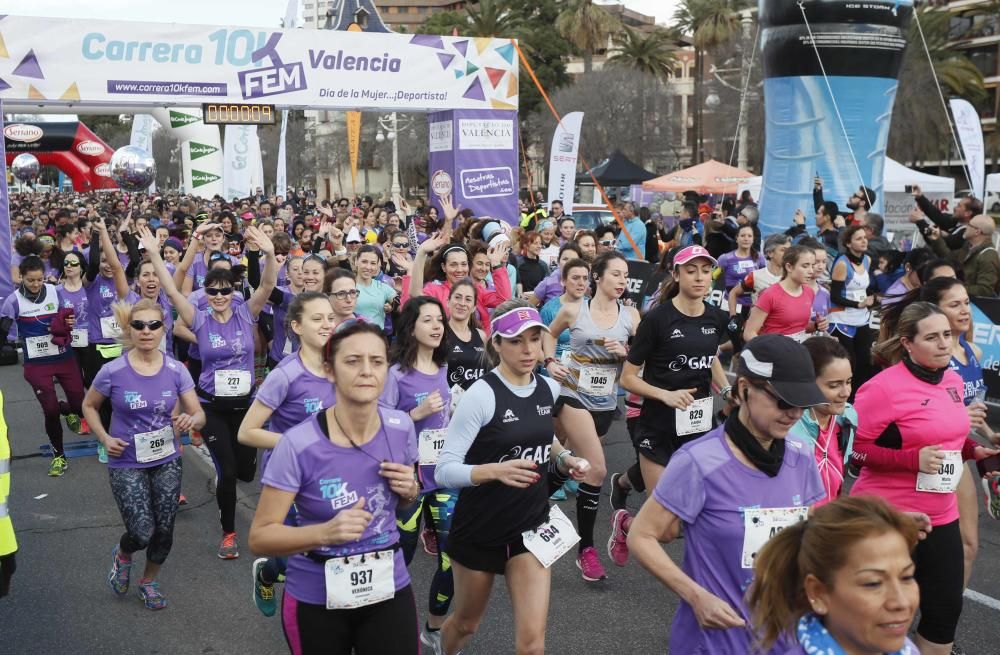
(617, 542)
(590, 565)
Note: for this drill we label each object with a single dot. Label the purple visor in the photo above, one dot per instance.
(512, 323)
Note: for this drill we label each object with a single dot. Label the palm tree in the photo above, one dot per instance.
(587, 26)
(710, 23)
(920, 125)
(492, 18)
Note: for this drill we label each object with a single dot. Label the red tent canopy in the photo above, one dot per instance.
(709, 177)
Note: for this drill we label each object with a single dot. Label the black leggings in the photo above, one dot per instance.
(147, 499)
(940, 562)
(93, 362)
(386, 627)
(8, 564)
(233, 460)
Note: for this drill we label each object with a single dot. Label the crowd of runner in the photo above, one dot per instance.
(807, 410)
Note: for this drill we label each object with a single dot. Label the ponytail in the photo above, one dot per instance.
(777, 596)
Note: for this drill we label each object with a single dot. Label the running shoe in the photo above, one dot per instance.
(263, 594)
(590, 565)
(73, 422)
(432, 640)
(560, 494)
(617, 542)
(150, 594)
(619, 496)
(430, 541)
(571, 486)
(58, 466)
(84, 428)
(102, 453)
(119, 574)
(228, 548)
(991, 487)
(182, 500)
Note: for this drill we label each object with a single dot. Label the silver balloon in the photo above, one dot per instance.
(25, 167)
(132, 168)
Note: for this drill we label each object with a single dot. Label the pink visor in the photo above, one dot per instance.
(692, 252)
(512, 323)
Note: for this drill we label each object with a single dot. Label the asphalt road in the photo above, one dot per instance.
(61, 604)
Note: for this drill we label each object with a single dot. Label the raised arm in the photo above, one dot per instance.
(185, 310)
(269, 278)
(424, 252)
(117, 272)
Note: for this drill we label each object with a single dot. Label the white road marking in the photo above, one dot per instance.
(983, 599)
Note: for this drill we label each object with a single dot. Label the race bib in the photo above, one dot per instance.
(552, 539)
(696, 418)
(155, 445)
(110, 328)
(287, 350)
(232, 382)
(80, 338)
(42, 346)
(598, 380)
(566, 357)
(799, 337)
(760, 524)
(429, 446)
(857, 295)
(359, 580)
(945, 481)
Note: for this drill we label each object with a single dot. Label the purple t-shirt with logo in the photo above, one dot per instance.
(199, 299)
(405, 390)
(199, 269)
(141, 403)
(709, 490)
(735, 268)
(327, 478)
(224, 346)
(278, 342)
(101, 294)
(77, 300)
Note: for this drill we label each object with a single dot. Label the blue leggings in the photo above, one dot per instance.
(147, 500)
(440, 506)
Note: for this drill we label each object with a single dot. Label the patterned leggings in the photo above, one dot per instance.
(147, 500)
(440, 507)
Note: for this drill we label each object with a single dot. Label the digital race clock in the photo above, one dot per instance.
(237, 113)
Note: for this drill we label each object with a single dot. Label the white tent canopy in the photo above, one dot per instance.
(897, 177)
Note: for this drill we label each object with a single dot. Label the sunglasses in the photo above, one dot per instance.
(72, 263)
(782, 405)
(344, 295)
(218, 291)
(142, 325)
(400, 246)
(607, 243)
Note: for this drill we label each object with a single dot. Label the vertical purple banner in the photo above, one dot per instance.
(473, 157)
(6, 283)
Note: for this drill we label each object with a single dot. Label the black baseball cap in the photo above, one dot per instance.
(786, 365)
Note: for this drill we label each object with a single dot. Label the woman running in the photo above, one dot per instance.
(417, 384)
(148, 285)
(551, 286)
(153, 400)
(786, 307)
(576, 286)
(500, 451)
(911, 442)
(225, 384)
(676, 350)
(293, 391)
(737, 264)
(841, 580)
(851, 310)
(305, 274)
(466, 340)
(600, 329)
(757, 281)
(73, 296)
(376, 298)
(828, 430)
(340, 287)
(34, 307)
(729, 491)
(346, 470)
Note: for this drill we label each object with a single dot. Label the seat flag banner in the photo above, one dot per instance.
(96, 62)
(240, 161)
(142, 136)
(970, 136)
(986, 335)
(562, 160)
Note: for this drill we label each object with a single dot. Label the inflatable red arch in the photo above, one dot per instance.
(69, 146)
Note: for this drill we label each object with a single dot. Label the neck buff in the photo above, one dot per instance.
(768, 461)
(814, 638)
(922, 373)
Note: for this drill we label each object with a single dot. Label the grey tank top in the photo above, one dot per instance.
(593, 371)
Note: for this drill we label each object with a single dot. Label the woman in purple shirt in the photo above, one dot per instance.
(730, 490)
(292, 392)
(346, 469)
(418, 384)
(153, 400)
(843, 579)
(225, 335)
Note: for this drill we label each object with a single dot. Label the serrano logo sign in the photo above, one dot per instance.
(103, 170)
(23, 133)
(92, 148)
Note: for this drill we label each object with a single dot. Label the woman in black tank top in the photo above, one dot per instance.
(466, 341)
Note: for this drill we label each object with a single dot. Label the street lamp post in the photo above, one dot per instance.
(392, 126)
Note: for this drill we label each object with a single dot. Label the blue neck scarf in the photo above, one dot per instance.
(814, 638)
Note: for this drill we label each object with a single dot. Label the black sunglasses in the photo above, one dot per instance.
(782, 405)
(141, 325)
(218, 291)
(401, 245)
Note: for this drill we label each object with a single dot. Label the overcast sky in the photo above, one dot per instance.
(262, 13)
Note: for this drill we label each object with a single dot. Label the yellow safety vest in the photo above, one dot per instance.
(8, 544)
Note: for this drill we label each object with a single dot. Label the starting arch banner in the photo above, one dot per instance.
(74, 62)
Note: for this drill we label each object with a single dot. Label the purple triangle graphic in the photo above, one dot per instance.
(3, 85)
(29, 67)
(445, 59)
(428, 40)
(475, 91)
(461, 46)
